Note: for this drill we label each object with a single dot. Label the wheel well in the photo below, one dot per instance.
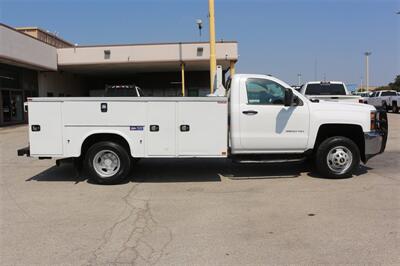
(353, 132)
(92, 139)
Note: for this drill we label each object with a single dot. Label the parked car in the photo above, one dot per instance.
(268, 122)
(329, 91)
(383, 99)
(363, 96)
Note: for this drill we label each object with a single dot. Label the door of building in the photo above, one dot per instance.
(13, 109)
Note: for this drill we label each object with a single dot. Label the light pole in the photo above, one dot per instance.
(361, 84)
(367, 54)
(199, 23)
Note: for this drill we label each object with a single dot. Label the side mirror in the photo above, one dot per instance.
(288, 97)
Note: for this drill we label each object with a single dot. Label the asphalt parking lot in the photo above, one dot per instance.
(198, 212)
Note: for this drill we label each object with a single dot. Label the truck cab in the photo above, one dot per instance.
(269, 117)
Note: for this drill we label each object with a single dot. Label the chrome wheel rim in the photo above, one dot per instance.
(106, 163)
(339, 159)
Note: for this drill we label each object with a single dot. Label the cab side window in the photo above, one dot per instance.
(263, 91)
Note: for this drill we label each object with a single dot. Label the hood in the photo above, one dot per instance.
(342, 106)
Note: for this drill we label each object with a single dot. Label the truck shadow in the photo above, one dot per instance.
(189, 170)
(203, 170)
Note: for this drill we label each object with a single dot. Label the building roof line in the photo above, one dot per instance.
(177, 62)
(142, 44)
(36, 39)
(45, 32)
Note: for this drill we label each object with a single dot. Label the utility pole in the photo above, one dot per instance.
(213, 60)
(367, 54)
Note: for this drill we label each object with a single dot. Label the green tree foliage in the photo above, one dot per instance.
(392, 85)
(396, 84)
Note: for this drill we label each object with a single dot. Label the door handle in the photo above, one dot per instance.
(250, 112)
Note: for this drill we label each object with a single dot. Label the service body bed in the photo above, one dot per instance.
(152, 126)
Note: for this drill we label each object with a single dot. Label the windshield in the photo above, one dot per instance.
(325, 89)
(388, 93)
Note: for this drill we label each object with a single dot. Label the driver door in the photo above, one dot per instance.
(266, 125)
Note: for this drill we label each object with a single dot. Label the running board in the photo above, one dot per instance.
(271, 161)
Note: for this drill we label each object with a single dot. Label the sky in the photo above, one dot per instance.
(319, 39)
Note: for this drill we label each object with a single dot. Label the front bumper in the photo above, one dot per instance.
(375, 141)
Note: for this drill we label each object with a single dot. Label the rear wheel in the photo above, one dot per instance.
(395, 108)
(385, 107)
(337, 157)
(107, 162)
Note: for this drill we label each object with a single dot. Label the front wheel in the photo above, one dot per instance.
(337, 157)
(107, 162)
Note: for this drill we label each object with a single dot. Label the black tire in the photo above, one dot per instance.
(117, 174)
(385, 107)
(328, 145)
(395, 108)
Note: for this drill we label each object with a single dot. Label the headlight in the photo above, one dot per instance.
(373, 120)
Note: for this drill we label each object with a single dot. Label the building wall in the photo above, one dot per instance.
(147, 53)
(22, 49)
(60, 84)
(31, 32)
(46, 37)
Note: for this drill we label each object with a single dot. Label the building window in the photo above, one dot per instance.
(107, 54)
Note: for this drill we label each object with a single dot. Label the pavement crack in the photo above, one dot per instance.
(135, 238)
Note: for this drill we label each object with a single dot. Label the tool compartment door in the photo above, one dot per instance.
(161, 129)
(202, 128)
(45, 128)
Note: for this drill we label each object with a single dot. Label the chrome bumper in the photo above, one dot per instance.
(375, 141)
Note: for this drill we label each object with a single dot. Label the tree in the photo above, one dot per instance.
(392, 85)
(396, 84)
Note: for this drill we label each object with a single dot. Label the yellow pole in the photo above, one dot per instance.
(232, 68)
(213, 60)
(183, 78)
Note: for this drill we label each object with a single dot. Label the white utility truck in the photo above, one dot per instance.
(335, 91)
(262, 119)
